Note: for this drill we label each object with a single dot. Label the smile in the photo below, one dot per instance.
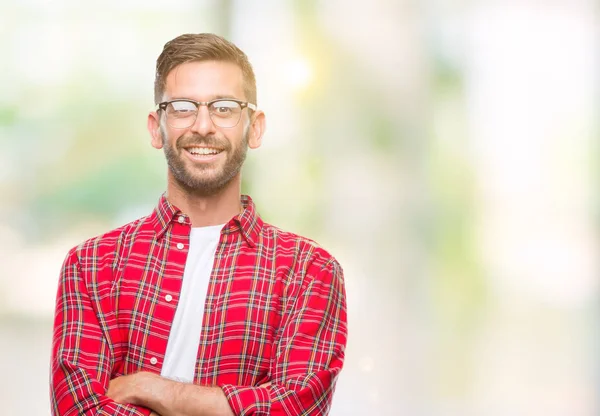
(203, 155)
(202, 151)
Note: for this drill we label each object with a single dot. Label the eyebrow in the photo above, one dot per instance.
(215, 97)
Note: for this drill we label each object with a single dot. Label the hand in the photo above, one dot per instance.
(128, 389)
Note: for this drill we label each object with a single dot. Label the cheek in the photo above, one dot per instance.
(241, 135)
(166, 133)
(169, 138)
(246, 130)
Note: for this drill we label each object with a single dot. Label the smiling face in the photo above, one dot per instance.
(205, 159)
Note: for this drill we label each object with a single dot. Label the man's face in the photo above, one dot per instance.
(204, 158)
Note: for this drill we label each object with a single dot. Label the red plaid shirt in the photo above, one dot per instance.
(275, 312)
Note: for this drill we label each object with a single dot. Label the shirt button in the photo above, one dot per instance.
(180, 246)
(153, 360)
(181, 219)
(168, 298)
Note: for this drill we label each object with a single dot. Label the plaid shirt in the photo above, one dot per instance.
(275, 312)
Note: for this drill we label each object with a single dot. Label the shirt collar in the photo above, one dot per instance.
(248, 222)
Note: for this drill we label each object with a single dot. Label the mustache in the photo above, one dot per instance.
(198, 140)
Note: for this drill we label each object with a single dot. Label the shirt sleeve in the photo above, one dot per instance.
(82, 359)
(309, 353)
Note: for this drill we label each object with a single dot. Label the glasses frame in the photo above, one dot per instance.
(243, 104)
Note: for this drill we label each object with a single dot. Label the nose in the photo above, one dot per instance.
(203, 124)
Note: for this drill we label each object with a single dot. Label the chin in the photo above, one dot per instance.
(205, 187)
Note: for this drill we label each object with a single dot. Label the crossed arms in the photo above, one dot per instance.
(166, 397)
(85, 379)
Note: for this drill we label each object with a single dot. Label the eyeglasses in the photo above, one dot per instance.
(225, 113)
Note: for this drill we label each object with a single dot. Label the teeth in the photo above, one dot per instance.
(203, 151)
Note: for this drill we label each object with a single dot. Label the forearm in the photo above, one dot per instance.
(171, 398)
(75, 393)
(81, 353)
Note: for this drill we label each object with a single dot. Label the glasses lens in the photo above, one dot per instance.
(181, 114)
(225, 113)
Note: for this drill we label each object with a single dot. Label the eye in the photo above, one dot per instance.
(181, 108)
(224, 108)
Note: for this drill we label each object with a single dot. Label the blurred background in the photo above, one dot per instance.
(446, 152)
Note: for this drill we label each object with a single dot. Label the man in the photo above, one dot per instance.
(200, 308)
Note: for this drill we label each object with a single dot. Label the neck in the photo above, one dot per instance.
(206, 210)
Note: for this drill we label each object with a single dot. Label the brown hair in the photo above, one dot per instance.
(202, 47)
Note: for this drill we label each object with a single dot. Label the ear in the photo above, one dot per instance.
(154, 130)
(257, 129)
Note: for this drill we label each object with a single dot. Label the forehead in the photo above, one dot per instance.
(206, 80)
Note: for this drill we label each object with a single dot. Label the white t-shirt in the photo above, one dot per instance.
(184, 338)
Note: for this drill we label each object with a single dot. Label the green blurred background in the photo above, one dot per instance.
(446, 152)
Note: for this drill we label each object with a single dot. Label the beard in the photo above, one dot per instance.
(204, 180)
